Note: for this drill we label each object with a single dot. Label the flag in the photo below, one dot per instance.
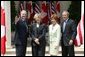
(44, 12)
(80, 28)
(58, 8)
(3, 28)
(49, 8)
(29, 8)
(37, 7)
(21, 6)
(28, 4)
(53, 9)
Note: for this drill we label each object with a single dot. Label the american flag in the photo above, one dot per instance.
(37, 8)
(80, 28)
(53, 9)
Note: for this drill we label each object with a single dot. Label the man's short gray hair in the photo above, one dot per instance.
(66, 12)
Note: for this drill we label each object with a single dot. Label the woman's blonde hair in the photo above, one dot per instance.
(36, 15)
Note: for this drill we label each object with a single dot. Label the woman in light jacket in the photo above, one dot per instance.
(54, 35)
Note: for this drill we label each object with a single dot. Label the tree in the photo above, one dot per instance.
(13, 14)
(75, 11)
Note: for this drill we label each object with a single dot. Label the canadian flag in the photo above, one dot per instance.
(30, 11)
(58, 8)
(80, 28)
(3, 28)
(44, 12)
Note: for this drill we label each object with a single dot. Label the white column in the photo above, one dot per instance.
(8, 24)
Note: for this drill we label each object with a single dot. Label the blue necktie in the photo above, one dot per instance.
(64, 24)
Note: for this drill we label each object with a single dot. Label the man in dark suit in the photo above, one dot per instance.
(68, 28)
(38, 32)
(21, 34)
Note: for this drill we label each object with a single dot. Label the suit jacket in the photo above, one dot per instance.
(55, 34)
(38, 33)
(69, 32)
(21, 33)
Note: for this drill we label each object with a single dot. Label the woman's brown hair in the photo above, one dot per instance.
(54, 16)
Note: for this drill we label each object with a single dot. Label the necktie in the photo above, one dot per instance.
(64, 26)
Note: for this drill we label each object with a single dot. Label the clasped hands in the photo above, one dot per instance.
(37, 41)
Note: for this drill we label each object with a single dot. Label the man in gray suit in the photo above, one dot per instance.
(68, 28)
(21, 34)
